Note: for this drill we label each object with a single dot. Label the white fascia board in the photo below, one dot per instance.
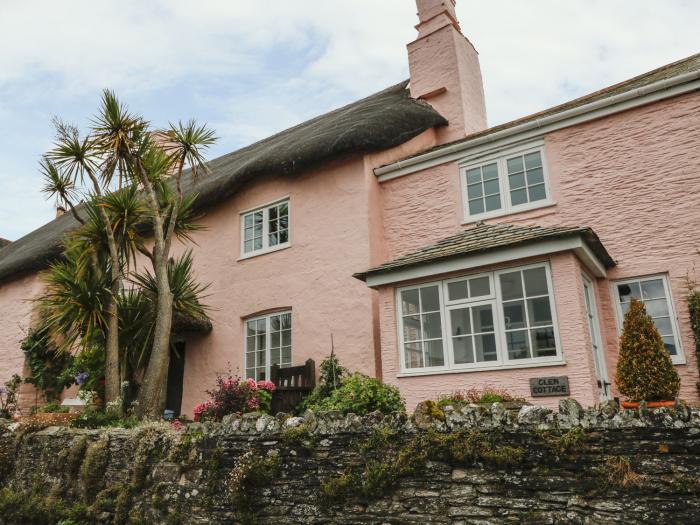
(468, 262)
(536, 129)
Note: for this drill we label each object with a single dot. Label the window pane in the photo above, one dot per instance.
(273, 213)
(413, 355)
(273, 226)
(479, 286)
(284, 236)
(286, 355)
(491, 187)
(257, 243)
(457, 290)
(485, 347)
(490, 171)
(535, 281)
(286, 321)
(493, 202)
(248, 246)
(533, 160)
(250, 359)
(286, 338)
(518, 346)
(483, 318)
(474, 191)
(258, 218)
(260, 359)
(670, 344)
(663, 325)
(627, 291)
(511, 286)
(249, 373)
(430, 299)
(535, 176)
(476, 207)
(431, 326)
(461, 324)
(284, 209)
(657, 307)
(463, 350)
(272, 239)
(474, 176)
(433, 353)
(518, 197)
(275, 340)
(536, 193)
(409, 302)
(543, 342)
(284, 222)
(653, 289)
(411, 328)
(250, 325)
(275, 356)
(515, 164)
(516, 181)
(539, 312)
(514, 315)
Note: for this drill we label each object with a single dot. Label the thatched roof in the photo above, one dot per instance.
(383, 120)
(4, 242)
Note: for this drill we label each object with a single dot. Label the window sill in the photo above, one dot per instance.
(515, 366)
(265, 251)
(472, 219)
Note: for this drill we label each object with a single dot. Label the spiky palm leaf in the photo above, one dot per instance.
(187, 143)
(136, 324)
(187, 292)
(57, 183)
(73, 155)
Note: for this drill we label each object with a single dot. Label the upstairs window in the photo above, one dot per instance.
(506, 184)
(654, 292)
(265, 229)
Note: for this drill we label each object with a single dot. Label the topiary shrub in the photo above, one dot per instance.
(361, 395)
(644, 368)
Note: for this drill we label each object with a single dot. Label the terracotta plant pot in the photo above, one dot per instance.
(650, 404)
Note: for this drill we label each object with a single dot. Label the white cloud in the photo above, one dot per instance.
(253, 68)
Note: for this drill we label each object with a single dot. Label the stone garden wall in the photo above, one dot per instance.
(470, 464)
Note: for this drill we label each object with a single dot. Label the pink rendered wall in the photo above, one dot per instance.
(632, 177)
(16, 309)
(329, 235)
(570, 311)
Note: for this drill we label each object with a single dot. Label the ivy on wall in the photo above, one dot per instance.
(694, 308)
(45, 363)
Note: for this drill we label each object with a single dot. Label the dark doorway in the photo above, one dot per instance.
(176, 374)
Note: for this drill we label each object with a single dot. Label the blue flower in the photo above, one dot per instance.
(81, 378)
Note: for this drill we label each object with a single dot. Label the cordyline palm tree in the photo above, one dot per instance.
(122, 152)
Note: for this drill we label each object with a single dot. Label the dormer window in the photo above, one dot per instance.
(265, 229)
(509, 183)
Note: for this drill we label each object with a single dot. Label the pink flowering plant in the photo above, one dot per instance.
(233, 395)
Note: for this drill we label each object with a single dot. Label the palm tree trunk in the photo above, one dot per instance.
(151, 399)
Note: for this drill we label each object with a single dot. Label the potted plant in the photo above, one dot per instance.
(644, 368)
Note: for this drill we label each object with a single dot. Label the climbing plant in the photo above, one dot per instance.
(45, 363)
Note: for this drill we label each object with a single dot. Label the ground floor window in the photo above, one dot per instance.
(268, 342)
(655, 293)
(501, 318)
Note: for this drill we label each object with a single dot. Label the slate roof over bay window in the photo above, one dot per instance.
(484, 239)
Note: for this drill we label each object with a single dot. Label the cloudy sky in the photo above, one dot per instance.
(250, 68)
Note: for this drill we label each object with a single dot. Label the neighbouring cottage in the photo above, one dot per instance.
(441, 254)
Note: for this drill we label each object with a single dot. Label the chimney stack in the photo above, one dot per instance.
(60, 210)
(445, 71)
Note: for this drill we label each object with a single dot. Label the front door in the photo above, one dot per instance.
(597, 347)
(176, 374)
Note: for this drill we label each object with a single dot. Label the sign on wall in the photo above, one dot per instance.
(549, 386)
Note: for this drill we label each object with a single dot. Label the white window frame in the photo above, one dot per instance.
(268, 341)
(679, 358)
(266, 248)
(494, 299)
(503, 181)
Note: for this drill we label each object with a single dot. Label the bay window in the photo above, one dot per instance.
(496, 319)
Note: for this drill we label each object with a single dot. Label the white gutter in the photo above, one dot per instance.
(660, 90)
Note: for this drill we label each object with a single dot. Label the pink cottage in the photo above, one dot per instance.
(441, 254)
